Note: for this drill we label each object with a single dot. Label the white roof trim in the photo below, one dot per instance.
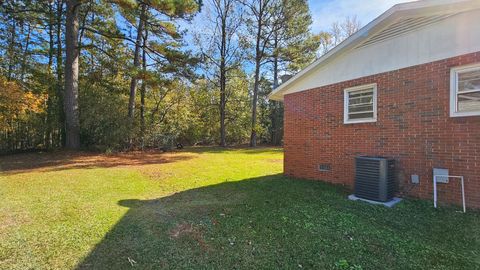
(391, 15)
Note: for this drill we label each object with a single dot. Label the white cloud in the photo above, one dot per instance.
(325, 12)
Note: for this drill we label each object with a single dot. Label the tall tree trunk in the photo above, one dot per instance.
(223, 79)
(258, 59)
(71, 76)
(11, 49)
(144, 88)
(275, 84)
(51, 37)
(275, 63)
(275, 117)
(25, 54)
(48, 138)
(253, 136)
(136, 63)
(59, 59)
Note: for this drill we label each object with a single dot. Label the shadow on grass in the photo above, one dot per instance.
(65, 160)
(275, 222)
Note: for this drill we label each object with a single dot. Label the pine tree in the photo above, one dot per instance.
(292, 47)
(281, 34)
(158, 18)
(72, 52)
(263, 23)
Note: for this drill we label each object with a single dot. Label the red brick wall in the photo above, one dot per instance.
(413, 126)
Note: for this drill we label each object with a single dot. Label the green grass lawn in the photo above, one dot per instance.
(207, 208)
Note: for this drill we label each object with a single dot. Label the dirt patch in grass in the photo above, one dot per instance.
(154, 173)
(9, 220)
(64, 160)
(188, 230)
(182, 229)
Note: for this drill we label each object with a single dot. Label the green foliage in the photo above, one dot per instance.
(265, 111)
(296, 45)
(168, 114)
(204, 121)
(177, 8)
(101, 126)
(237, 114)
(238, 109)
(126, 4)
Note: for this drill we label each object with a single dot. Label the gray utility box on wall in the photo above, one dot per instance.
(375, 178)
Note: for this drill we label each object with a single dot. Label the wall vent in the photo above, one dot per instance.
(404, 26)
(375, 178)
(324, 167)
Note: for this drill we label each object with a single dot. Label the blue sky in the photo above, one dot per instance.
(325, 12)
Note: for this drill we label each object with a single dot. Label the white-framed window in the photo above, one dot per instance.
(360, 104)
(465, 90)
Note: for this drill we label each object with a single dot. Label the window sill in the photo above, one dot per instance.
(359, 121)
(464, 114)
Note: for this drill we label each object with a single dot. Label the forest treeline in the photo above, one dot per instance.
(132, 74)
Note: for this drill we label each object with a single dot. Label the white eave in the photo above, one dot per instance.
(373, 30)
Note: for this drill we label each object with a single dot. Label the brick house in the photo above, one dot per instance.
(407, 86)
